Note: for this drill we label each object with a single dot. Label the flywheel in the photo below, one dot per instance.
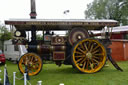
(89, 55)
(32, 62)
(77, 34)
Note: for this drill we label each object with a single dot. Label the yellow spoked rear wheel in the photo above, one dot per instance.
(32, 61)
(89, 56)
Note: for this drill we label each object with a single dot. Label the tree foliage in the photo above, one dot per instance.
(39, 37)
(108, 9)
(5, 34)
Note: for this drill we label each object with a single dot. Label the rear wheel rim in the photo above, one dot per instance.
(89, 56)
(33, 63)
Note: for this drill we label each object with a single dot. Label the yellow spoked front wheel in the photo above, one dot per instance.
(32, 61)
(89, 55)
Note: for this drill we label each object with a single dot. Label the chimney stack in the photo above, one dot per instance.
(33, 10)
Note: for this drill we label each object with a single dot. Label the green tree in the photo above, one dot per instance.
(108, 9)
(4, 35)
(39, 37)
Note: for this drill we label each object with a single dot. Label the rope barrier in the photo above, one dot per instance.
(25, 79)
(14, 78)
(28, 82)
(9, 76)
(19, 78)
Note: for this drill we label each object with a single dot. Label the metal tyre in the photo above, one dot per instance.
(33, 63)
(89, 55)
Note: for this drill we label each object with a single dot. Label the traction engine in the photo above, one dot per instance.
(78, 47)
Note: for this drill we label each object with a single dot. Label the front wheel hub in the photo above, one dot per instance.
(89, 55)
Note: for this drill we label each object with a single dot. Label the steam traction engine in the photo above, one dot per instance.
(78, 47)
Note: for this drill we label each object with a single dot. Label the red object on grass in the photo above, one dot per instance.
(2, 57)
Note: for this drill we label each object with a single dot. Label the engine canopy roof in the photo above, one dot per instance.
(60, 24)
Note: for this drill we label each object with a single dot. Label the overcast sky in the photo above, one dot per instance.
(46, 9)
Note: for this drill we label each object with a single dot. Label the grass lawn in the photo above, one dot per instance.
(54, 75)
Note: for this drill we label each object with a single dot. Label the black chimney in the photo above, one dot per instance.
(33, 10)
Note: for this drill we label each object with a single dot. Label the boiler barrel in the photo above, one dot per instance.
(45, 49)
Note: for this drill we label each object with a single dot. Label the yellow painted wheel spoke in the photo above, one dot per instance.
(29, 57)
(95, 51)
(85, 46)
(82, 46)
(93, 62)
(80, 50)
(84, 65)
(79, 60)
(79, 56)
(87, 64)
(96, 61)
(82, 61)
(35, 61)
(99, 54)
(95, 57)
(91, 65)
(95, 48)
(32, 58)
(89, 45)
(91, 48)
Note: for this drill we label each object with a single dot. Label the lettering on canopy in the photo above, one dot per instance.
(68, 23)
